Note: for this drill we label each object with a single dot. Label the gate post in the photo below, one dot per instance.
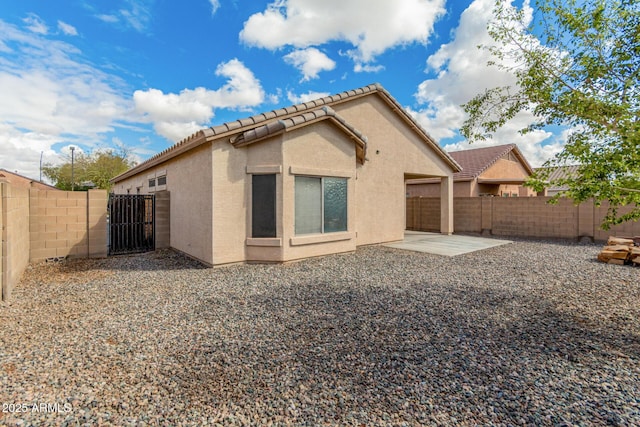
(97, 223)
(162, 220)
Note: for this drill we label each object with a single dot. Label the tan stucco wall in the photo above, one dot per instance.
(393, 150)
(189, 181)
(231, 190)
(504, 168)
(320, 150)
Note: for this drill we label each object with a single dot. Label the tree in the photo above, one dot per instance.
(578, 67)
(97, 169)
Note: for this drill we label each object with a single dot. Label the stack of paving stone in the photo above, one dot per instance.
(621, 251)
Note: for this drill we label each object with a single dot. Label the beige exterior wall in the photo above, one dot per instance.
(14, 220)
(190, 183)
(393, 150)
(334, 155)
(505, 168)
(522, 217)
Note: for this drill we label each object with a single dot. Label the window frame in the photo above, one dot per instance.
(275, 206)
(322, 179)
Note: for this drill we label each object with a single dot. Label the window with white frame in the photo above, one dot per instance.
(320, 205)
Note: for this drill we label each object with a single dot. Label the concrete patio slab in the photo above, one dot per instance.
(441, 244)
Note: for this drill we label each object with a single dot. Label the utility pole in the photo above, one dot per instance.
(41, 165)
(72, 148)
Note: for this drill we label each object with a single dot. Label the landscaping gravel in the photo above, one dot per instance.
(531, 333)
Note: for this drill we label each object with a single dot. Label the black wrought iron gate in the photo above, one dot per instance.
(131, 223)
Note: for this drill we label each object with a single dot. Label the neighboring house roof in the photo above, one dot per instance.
(252, 129)
(476, 161)
(560, 172)
(23, 181)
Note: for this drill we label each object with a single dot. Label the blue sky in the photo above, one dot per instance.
(147, 73)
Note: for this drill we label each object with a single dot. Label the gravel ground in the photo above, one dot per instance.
(532, 333)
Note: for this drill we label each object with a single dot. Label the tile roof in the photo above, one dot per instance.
(246, 124)
(477, 160)
(23, 181)
(275, 127)
(560, 172)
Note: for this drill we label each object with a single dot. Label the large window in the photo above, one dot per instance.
(263, 205)
(321, 205)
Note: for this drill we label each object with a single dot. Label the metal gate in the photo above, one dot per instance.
(131, 223)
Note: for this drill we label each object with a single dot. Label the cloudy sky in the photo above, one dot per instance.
(147, 73)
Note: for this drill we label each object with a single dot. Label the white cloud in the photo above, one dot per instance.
(305, 97)
(461, 74)
(49, 96)
(67, 29)
(310, 62)
(20, 151)
(176, 116)
(370, 26)
(368, 68)
(35, 24)
(109, 19)
(135, 14)
(215, 5)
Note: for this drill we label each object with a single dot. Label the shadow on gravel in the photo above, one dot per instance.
(417, 355)
(161, 259)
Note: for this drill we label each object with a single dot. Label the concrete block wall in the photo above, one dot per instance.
(14, 221)
(423, 213)
(523, 217)
(627, 229)
(66, 223)
(534, 218)
(465, 214)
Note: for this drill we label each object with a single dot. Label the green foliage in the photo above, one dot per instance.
(579, 67)
(89, 171)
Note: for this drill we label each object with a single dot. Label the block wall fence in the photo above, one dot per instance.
(518, 217)
(39, 225)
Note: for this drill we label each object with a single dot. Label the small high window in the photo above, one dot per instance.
(263, 205)
(152, 183)
(162, 180)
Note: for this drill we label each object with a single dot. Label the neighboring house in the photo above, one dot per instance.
(311, 179)
(491, 171)
(18, 180)
(560, 172)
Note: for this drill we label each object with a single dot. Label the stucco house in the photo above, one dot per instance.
(312, 179)
(489, 171)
